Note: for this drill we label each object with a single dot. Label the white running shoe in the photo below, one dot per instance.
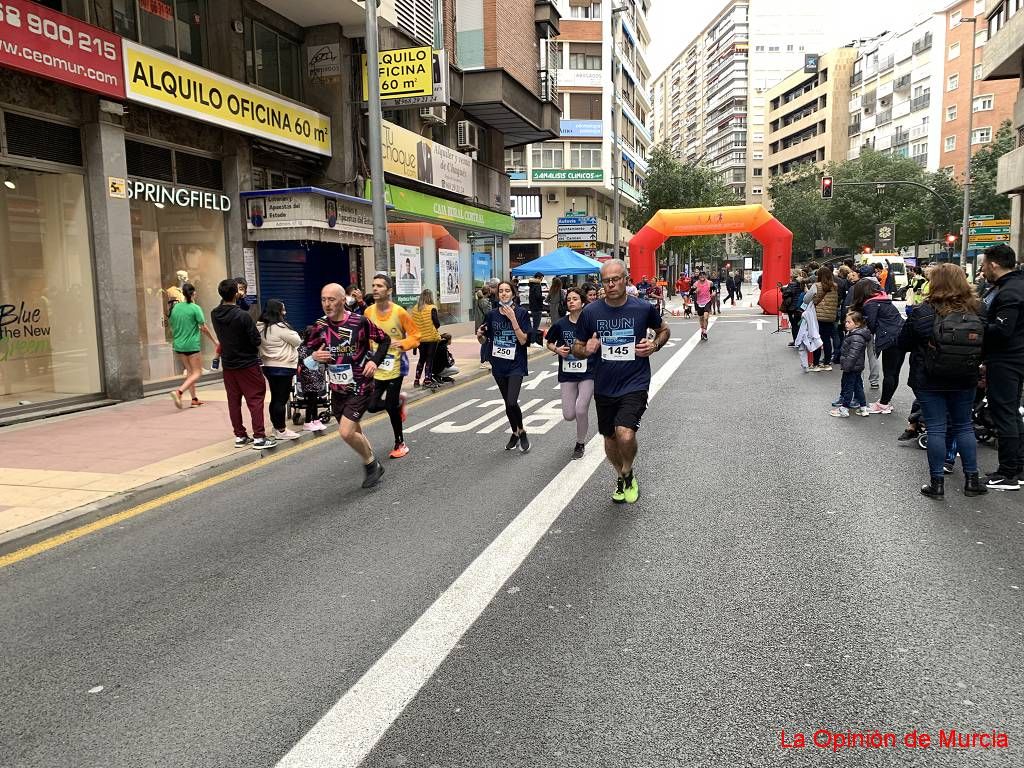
(286, 434)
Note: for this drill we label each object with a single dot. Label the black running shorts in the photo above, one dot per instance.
(350, 405)
(703, 310)
(624, 411)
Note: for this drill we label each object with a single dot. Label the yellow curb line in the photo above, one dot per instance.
(98, 525)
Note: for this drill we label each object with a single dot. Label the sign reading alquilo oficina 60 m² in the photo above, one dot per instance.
(176, 86)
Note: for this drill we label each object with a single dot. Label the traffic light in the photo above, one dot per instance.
(826, 187)
(950, 240)
(867, 249)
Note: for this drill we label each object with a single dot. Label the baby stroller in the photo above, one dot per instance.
(317, 403)
(981, 420)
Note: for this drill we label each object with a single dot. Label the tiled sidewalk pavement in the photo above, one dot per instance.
(85, 460)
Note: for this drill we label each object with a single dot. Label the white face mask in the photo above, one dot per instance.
(505, 303)
(350, 301)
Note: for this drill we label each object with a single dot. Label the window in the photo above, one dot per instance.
(919, 148)
(953, 82)
(585, 106)
(76, 8)
(556, 59)
(789, 47)
(951, 112)
(756, 191)
(949, 170)
(979, 7)
(759, 48)
(757, 172)
(981, 136)
(417, 19)
(954, 19)
(515, 160)
(983, 103)
(592, 11)
(582, 155)
(980, 38)
(585, 57)
(977, 72)
(954, 51)
(174, 27)
(758, 155)
(950, 143)
(549, 155)
(271, 60)
(773, 48)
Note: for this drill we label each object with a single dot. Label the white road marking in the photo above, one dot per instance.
(438, 417)
(348, 732)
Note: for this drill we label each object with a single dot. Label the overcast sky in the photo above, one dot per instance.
(674, 23)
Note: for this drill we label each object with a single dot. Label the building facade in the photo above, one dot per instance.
(808, 116)
(710, 105)
(175, 141)
(894, 93)
(993, 101)
(1003, 59)
(574, 173)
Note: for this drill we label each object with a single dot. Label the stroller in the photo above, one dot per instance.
(310, 395)
(981, 419)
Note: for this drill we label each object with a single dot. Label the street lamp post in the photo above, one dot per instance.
(380, 220)
(616, 150)
(965, 233)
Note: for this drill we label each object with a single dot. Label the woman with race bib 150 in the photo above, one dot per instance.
(575, 375)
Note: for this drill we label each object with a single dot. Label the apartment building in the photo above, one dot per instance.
(710, 103)
(993, 101)
(808, 117)
(1002, 60)
(894, 93)
(189, 141)
(574, 173)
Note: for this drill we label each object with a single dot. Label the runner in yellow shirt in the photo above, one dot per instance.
(396, 323)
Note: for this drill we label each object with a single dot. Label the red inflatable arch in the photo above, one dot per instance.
(776, 240)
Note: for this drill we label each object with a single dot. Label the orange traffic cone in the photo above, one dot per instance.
(783, 322)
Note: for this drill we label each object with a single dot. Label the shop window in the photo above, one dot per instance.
(172, 26)
(271, 60)
(48, 340)
(77, 8)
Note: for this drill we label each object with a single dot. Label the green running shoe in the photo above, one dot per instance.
(632, 489)
(619, 497)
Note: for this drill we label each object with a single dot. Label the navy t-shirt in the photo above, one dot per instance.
(563, 334)
(619, 371)
(508, 356)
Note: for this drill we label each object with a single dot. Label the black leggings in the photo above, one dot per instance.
(509, 388)
(425, 364)
(386, 398)
(892, 364)
(280, 391)
(826, 331)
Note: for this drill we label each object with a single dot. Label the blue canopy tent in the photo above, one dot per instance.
(564, 261)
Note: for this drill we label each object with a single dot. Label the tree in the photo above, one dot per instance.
(797, 203)
(984, 165)
(671, 183)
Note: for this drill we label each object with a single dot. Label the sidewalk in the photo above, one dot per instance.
(84, 461)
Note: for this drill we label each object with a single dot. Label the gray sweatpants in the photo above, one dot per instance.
(874, 367)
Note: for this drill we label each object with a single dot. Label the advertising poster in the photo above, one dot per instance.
(481, 268)
(408, 270)
(450, 288)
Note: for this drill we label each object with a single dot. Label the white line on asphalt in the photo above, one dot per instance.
(347, 733)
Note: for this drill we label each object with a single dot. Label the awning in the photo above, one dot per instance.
(307, 213)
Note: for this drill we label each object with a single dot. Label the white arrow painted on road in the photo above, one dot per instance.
(759, 323)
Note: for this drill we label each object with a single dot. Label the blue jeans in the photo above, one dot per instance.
(852, 393)
(949, 414)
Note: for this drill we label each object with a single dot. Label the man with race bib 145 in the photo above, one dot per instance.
(616, 329)
(341, 340)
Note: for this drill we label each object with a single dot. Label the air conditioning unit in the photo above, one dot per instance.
(437, 115)
(468, 136)
(552, 197)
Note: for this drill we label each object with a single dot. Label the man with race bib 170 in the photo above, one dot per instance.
(341, 341)
(616, 329)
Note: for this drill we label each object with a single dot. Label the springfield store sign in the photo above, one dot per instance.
(184, 197)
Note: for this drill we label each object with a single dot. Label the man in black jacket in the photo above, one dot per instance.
(1004, 361)
(536, 299)
(240, 360)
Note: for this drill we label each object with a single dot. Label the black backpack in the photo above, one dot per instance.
(954, 351)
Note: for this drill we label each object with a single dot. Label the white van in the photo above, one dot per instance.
(896, 264)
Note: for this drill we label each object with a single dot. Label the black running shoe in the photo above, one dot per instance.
(577, 451)
(1003, 483)
(908, 434)
(948, 467)
(373, 473)
(512, 442)
(524, 443)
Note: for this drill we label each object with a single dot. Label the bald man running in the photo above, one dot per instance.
(342, 344)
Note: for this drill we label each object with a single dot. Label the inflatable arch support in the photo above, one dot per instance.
(775, 239)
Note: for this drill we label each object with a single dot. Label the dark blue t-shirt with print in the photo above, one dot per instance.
(508, 356)
(619, 371)
(563, 334)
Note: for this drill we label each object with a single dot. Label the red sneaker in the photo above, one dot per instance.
(399, 451)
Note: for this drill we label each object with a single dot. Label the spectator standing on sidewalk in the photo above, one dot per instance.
(481, 308)
(944, 336)
(187, 324)
(884, 321)
(424, 316)
(240, 361)
(826, 308)
(843, 289)
(279, 344)
(556, 303)
(852, 362)
(874, 366)
(536, 300)
(1004, 361)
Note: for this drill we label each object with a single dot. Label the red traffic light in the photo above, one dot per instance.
(826, 187)
(867, 249)
(950, 239)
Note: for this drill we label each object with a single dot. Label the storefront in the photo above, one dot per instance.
(304, 238)
(446, 246)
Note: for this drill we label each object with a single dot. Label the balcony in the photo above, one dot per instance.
(868, 100)
(922, 45)
(547, 80)
(886, 64)
(902, 82)
(884, 117)
(854, 129)
(856, 78)
(921, 160)
(901, 136)
(921, 102)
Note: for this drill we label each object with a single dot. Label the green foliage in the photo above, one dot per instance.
(984, 164)
(849, 218)
(671, 183)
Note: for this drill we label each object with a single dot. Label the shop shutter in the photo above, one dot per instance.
(282, 276)
(149, 161)
(197, 171)
(43, 140)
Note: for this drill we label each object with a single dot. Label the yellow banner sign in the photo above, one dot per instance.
(168, 83)
(403, 72)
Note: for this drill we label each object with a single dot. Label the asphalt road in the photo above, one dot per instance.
(780, 572)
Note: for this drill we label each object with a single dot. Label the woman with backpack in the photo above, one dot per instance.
(884, 321)
(944, 336)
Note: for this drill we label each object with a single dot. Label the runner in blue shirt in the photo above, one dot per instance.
(575, 376)
(508, 330)
(616, 328)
